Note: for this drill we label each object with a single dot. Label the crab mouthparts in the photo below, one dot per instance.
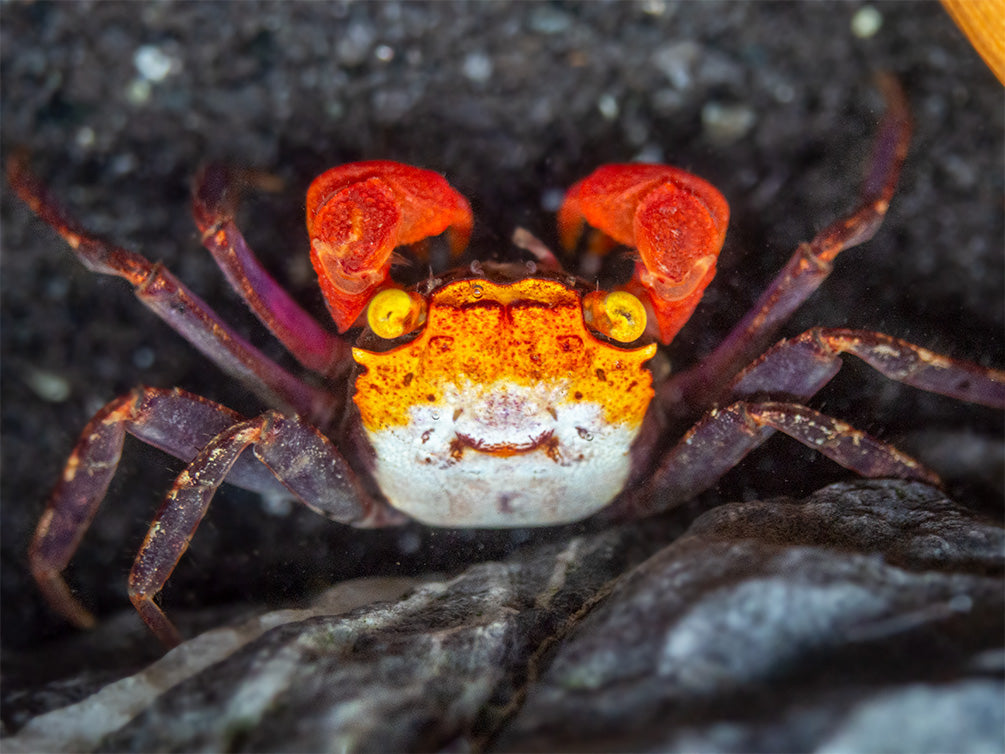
(505, 449)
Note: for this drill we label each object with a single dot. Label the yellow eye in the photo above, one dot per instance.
(618, 315)
(393, 312)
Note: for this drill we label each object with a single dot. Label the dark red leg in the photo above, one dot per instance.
(797, 368)
(808, 267)
(720, 440)
(301, 458)
(174, 421)
(167, 297)
(214, 201)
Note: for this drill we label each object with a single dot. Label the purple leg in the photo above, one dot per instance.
(174, 421)
(797, 368)
(303, 459)
(808, 267)
(167, 297)
(721, 439)
(214, 201)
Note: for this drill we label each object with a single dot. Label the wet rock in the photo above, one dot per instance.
(867, 617)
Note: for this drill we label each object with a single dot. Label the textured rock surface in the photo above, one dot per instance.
(868, 617)
(771, 626)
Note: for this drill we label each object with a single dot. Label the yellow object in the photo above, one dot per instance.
(983, 21)
(393, 312)
(618, 315)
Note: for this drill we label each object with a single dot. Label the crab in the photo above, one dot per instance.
(499, 394)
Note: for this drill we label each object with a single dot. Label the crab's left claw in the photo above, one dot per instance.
(675, 220)
(357, 214)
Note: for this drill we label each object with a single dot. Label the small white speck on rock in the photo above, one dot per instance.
(548, 20)
(608, 106)
(48, 386)
(726, 123)
(153, 64)
(354, 45)
(138, 91)
(477, 67)
(866, 22)
(85, 137)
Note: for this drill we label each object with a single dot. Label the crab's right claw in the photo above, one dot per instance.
(675, 220)
(357, 214)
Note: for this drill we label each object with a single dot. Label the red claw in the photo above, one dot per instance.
(675, 220)
(357, 214)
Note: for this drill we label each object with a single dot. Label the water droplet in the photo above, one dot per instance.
(476, 291)
(585, 433)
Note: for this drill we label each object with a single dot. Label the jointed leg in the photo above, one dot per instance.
(797, 368)
(174, 421)
(808, 267)
(794, 370)
(720, 440)
(214, 200)
(301, 458)
(160, 291)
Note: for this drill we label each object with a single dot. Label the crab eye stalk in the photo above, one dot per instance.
(394, 312)
(619, 315)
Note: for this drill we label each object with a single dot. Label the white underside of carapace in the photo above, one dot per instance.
(504, 455)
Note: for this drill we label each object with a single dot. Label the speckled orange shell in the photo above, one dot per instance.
(482, 333)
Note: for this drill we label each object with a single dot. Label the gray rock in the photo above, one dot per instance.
(866, 617)
(779, 626)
